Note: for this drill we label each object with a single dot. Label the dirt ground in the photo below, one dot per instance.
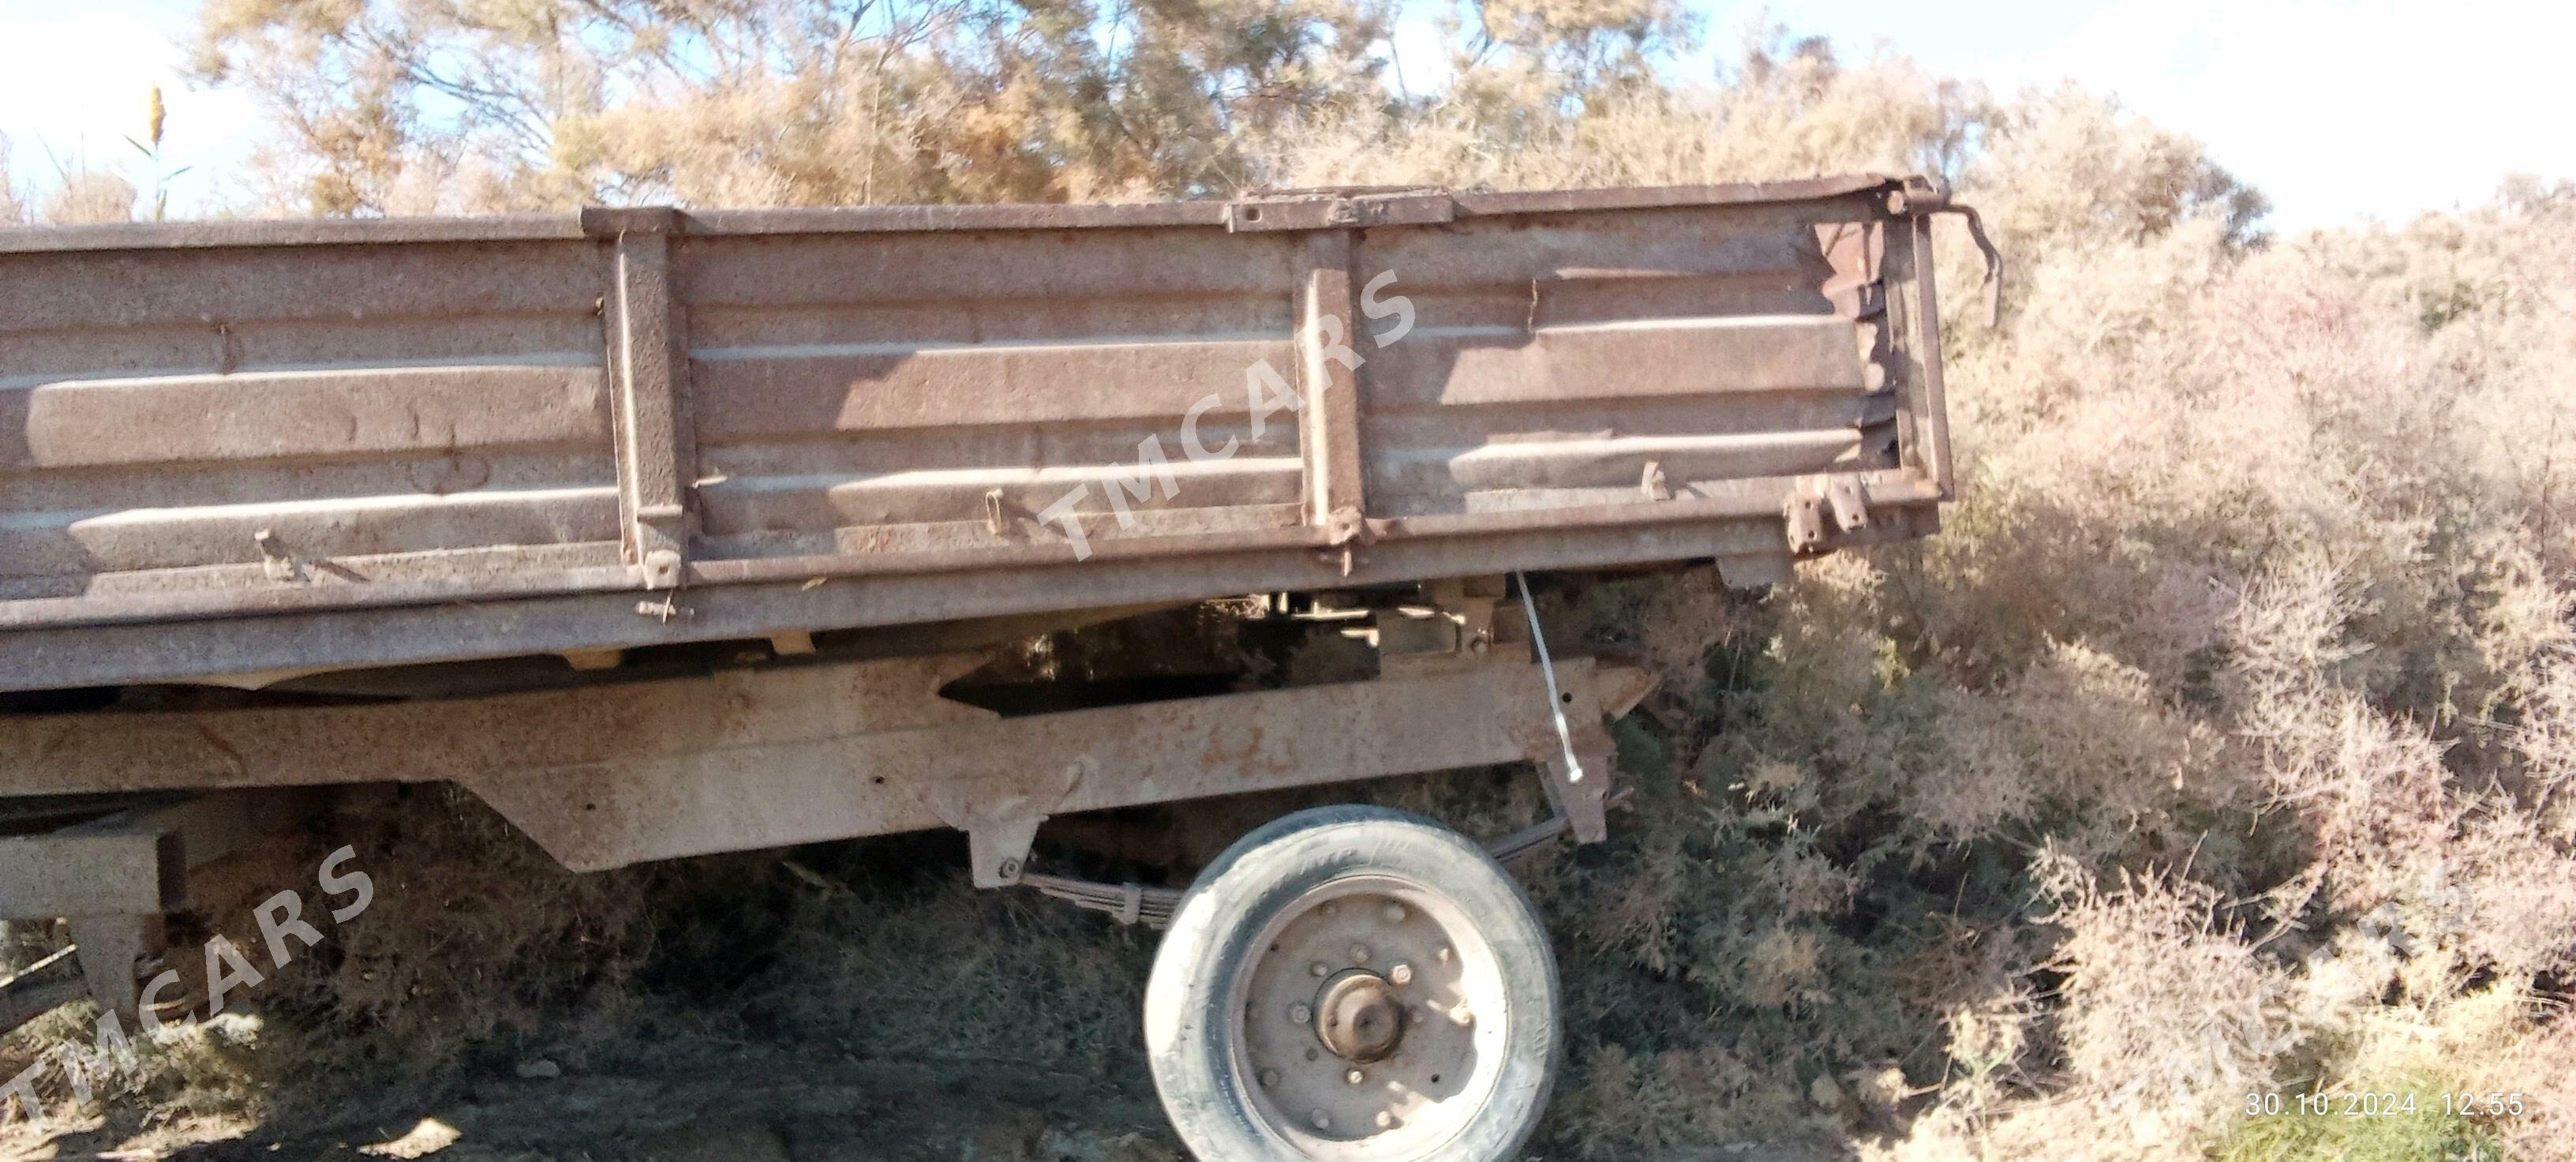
(707, 1100)
(699, 1101)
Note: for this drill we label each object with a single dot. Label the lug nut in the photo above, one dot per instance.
(1443, 955)
(1300, 1013)
(1322, 1120)
(1320, 969)
(1359, 954)
(1269, 1079)
(1355, 1077)
(1385, 1120)
(1401, 974)
(1462, 1015)
(1395, 913)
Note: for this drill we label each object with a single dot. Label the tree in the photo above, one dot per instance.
(390, 105)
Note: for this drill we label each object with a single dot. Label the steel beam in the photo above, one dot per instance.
(997, 779)
(433, 740)
(309, 635)
(114, 872)
(132, 862)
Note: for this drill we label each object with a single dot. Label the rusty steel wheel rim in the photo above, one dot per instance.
(1370, 1022)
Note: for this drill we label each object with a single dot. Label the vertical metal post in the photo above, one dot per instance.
(649, 365)
(1932, 426)
(1328, 374)
(108, 948)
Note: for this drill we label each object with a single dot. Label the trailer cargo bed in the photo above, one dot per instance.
(233, 449)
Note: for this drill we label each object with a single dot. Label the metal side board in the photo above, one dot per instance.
(232, 449)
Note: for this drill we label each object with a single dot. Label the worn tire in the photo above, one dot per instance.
(1200, 1012)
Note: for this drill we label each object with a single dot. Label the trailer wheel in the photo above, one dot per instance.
(1353, 984)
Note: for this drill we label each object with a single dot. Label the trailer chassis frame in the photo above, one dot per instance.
(611, 774)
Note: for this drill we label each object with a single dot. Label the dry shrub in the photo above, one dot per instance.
(1623, 1106)
(2256, 604)
(2301, 516)
(1681, 625)
(2165, 1000)
(87, 197)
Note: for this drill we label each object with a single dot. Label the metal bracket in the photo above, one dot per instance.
(1346, 526)
(663, 529)
(1598, 695)
(1849, 501)
(1842, 498)
(1458, 630)
(1652, 482)
(1001, 820)
(998, 850)
(1347, 531)
(1586, 805)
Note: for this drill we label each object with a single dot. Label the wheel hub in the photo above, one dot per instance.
(1358, 1017)
(1368, 1021)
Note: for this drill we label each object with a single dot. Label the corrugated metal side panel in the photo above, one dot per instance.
(1553, 359)
(158, 409)
(868, 392)
(425, 417)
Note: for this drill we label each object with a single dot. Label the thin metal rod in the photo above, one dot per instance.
(1547, 669)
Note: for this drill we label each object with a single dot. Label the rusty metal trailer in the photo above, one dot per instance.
(672, 532)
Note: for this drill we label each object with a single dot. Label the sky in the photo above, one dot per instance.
(2338, 109)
